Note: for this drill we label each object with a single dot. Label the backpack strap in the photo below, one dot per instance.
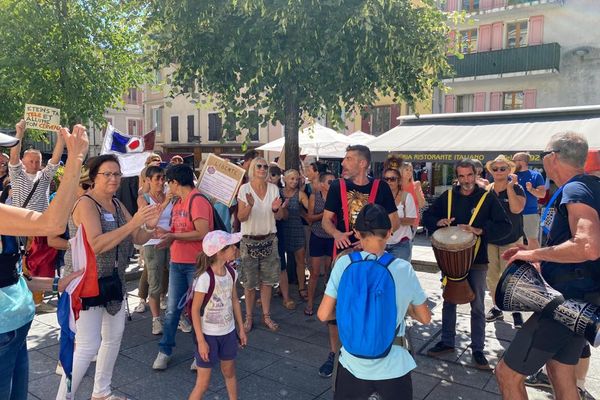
(386, 259)
(374, 189)
(211, 289)
(190, 205)
(355, 256)
(344, 201)
(231, 272)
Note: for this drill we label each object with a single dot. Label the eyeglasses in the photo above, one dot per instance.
(543, 154)
(262, 166)
(390, 178)
(501, 169)
(108, 175)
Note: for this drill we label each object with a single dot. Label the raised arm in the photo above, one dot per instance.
(15, 151)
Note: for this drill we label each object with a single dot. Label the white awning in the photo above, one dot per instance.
(504, 131)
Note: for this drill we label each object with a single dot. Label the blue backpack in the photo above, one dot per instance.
(366, 309)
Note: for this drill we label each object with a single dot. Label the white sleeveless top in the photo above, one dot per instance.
(164, 222)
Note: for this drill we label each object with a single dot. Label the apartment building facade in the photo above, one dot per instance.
(522, 54)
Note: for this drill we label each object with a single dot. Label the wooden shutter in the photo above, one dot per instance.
(139, 97)
(365, 121)
(495, 101)
(486, 4)
(449, 102)
(497, 31)
(479, 102)
(452, 5)
(536, 30)
(529, 98)
(484, 41)
(394, 114)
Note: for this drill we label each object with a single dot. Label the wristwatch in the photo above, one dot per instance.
(55, 285)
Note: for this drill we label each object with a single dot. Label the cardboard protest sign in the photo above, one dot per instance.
(220, 179)
(42, 117)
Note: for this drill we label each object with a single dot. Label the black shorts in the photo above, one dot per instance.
(319, 247)
(349, 387)
(539, 340)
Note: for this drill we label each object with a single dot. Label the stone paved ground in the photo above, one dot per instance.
(282, 365)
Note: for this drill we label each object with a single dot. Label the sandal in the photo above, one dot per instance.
(248, 324)
(309, 312)
(269, 323)
(289, 304)
(303, 293)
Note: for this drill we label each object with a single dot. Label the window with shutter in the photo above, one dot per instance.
(485, 38)
(468, 41)
(381, 118)
(529, 98)
(536, 30)
(497, 29)
(495, 101)
(479, 102)
(516, 34)
(513, 100)
(174, 129)
(449, 103)
(464, 103)
(215, 127)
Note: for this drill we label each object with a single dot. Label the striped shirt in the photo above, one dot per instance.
(22, 184)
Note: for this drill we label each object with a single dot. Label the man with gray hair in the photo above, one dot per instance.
(533, 183)
(570, 264)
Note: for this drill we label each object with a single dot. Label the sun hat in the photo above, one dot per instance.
(84, 177)
(501, 159)
(216, 241)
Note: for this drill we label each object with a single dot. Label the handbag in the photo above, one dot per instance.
(40, 258)
(110, 289)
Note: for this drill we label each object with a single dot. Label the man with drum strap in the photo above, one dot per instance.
(490, 223)
(341, 211)
(512, 198)
(570, 264)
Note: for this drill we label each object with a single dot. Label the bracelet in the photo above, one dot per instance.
(144, 227)
(55, 285)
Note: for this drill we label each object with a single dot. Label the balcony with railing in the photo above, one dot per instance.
(544, 57)
(486, 6)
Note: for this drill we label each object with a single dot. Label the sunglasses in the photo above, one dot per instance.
(275, 175)
(501, 169)
(85, 186)
(543, 154)
(390, 178)
(262, 166)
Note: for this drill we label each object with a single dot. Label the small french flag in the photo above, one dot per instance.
(132, 151)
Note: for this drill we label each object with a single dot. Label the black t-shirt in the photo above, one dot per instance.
(515, 219)
(583, 189)
(357, 198)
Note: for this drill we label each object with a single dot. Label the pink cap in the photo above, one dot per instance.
(215, 241)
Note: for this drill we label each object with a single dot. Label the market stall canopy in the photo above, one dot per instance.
(312, 140)
(483, 135)
(357, 137)
(7, 140)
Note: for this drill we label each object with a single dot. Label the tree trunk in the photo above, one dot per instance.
(292, 116)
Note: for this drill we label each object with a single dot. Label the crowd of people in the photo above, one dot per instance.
(353, 231)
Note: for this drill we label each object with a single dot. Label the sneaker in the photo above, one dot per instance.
(539, 379)
(517, 320)
(184, 325)
(163, 303)
(193, 367)
(326, 369)
(439, 349)
(161, 362)
(480, 361)
(44, 308)
(493, 315)
(59, 368)
(157, 326)
(141, 307)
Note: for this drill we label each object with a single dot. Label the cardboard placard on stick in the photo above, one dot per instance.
(220, 179)
(42, 117)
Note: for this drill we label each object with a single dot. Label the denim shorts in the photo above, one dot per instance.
(220, 348)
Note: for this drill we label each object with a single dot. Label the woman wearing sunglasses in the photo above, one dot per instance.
(400, 243)
(320, 245)
(259, 205)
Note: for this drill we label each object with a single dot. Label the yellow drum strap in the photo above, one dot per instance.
(478, 242)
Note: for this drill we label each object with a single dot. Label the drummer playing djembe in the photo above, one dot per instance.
(491, 222)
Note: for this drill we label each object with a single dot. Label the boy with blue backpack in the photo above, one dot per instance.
(369, 293)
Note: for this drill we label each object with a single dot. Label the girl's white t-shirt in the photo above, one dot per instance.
(405, 210)
(262, 219)
(218, 319)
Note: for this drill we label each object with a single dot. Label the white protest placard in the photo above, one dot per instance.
(42, 117)
(220, 179)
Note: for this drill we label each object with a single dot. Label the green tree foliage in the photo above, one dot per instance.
(77, 55)
(297, 59)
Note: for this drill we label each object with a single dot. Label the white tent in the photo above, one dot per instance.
(312, 140)
(439, 135)
(357, 137)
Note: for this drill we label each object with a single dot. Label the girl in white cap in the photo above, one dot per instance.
(215, 311)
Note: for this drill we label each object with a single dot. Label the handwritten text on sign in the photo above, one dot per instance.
(42, 117)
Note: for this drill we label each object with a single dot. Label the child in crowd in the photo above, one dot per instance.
(214, 319)
(388, 376)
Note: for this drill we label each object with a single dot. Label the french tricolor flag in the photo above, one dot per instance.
(69, 304)
(132, 151)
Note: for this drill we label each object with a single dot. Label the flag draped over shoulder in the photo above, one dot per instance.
(132, 151)
(69, 304)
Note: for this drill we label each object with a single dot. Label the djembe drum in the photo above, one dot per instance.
(521, 288)
(454, 251)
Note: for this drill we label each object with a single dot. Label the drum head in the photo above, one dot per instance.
(452, 238)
